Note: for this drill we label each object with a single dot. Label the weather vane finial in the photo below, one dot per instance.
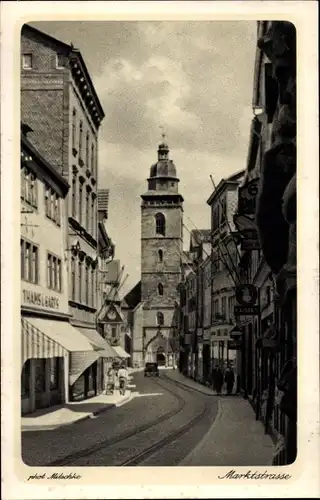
(163, 135)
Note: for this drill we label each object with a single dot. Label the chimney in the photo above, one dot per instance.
(103, 203)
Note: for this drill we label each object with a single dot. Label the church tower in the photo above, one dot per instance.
(161, 248)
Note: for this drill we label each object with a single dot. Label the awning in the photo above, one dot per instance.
(64, 334)
(35, 344)
(121, 353)
(107, 351)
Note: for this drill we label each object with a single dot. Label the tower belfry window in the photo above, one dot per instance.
(160, 289)
(160, 224)
(160, 254)
(160, 319)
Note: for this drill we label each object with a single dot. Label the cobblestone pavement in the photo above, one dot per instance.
(150, 400)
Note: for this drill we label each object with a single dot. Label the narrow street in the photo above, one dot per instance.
(161, 425)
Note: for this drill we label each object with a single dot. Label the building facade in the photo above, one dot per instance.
(224, 258)
(59, 103)
(47, 338)
(161, 246)
(267, 211)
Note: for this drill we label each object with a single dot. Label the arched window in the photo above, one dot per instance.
(160, 289)
(160, 224)
(160, 319)
(160, 254)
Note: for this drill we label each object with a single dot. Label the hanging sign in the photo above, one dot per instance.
(247, 198)
(247, 298)
(248, 230)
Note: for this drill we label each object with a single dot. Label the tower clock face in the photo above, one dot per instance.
(112, 315)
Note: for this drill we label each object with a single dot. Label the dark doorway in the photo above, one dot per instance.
(161, 359)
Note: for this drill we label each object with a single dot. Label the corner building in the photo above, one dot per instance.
(161, 248)
(60, 105)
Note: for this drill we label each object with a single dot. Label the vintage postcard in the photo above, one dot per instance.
(159, 164)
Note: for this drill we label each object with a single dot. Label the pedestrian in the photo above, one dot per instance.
(219, 381)
(229, 379)
(214, 378)
(123, 379)
(110, 381)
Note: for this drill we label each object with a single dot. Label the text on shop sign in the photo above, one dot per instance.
(39, 299)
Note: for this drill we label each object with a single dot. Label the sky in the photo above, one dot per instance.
(193, 78)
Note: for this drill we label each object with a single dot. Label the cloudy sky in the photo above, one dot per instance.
(196, 79)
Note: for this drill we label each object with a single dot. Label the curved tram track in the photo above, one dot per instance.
(121, 444)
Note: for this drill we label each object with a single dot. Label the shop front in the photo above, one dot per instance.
(48, 349)
(88, 369)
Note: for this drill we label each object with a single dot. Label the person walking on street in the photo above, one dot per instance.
(123, 379)
(229, 379)
(214, 378)
(219, 381)
(110, 381)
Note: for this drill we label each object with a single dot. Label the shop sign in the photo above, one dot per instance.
(247, 198)
(39, 299)
(246, 310)
(248, 231)
(246, 295)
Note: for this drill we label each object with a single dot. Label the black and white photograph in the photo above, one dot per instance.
(158, 243)
(159, 285)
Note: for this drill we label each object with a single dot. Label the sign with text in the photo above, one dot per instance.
(39, 299)
(246, 310)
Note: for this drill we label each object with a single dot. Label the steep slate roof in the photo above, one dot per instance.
(133, 298)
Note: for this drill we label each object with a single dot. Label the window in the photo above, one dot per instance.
(29, 187)
(54, 373)
(160, 254)
(80, 201)
(224, 307)
(92, 158)
(92, 287)
(87, 210)
(52, 205)
(29, 261)
(87, 150)
(93, 217)
(74, 192)
(74, 127)
(113, 332)
(223, 210)
(73, 279)
(60, 62)
(80, 138)
(80, 281)
(231, 303)
(87, 284)
(160, 319)
(160, 289)
(216, 218)
(25, 379)
(160, 224)
(27, 61)
(54, 273)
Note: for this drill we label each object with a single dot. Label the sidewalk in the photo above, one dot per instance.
(62, 415)
(235, 437)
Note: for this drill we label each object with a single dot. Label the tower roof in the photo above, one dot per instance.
(164, 167)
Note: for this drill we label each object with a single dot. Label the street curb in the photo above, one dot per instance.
(81, 419)
(196, 389)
